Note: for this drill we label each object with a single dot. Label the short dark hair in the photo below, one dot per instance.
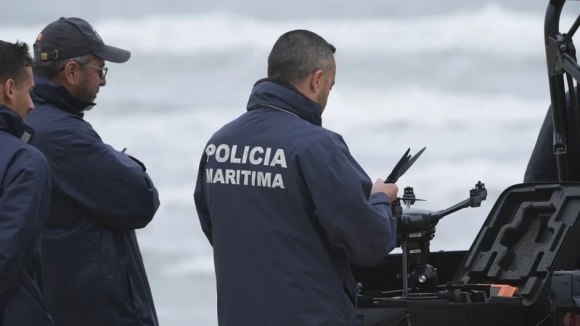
(297, 54)
(50, 69)
(14, 58)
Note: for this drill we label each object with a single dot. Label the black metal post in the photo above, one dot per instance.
(555, 44)
(561, 60)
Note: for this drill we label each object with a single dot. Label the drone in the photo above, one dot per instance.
(416, 228)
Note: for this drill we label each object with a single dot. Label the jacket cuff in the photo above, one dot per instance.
(380, 198)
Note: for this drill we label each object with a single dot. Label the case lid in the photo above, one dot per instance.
(532, 230)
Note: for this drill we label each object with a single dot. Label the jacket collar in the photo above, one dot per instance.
(11, 123)
(48, 91)
(282, 95)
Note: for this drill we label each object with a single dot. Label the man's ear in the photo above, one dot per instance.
(9, 90)
(71, 72)
(316, 81)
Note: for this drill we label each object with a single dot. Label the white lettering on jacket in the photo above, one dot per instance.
(255, 156)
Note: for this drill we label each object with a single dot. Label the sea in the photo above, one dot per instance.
(465, 79)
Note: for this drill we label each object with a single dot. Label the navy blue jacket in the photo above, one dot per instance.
(24, 208)
(94, 272)
(542, 165)
(287, 209)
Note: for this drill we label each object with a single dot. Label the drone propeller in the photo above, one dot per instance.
(410, 199)
(403, 165)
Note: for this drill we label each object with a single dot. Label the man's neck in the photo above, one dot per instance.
(59, 80)
(305, 91)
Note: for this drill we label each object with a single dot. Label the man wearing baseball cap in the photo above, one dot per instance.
(93, 269)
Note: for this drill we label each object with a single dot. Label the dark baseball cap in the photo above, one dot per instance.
(74, 37)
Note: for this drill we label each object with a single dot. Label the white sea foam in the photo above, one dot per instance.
(492, 29)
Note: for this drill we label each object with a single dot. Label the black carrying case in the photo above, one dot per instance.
(531, 231)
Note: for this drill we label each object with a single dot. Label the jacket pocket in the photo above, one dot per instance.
(83, 225)
(131, 293)
(76, 277)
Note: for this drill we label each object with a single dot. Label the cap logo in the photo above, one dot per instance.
(40, 37)
(99, 36)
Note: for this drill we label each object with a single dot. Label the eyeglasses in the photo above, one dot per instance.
(102, 70)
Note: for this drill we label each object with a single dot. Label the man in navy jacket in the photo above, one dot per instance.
(285, 205)
(24, 195)
(94, 272)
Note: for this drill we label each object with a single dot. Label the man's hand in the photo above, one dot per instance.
(390, 189)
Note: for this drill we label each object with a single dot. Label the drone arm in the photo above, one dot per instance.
(476, 197)
(436, 216)
(418, 221)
